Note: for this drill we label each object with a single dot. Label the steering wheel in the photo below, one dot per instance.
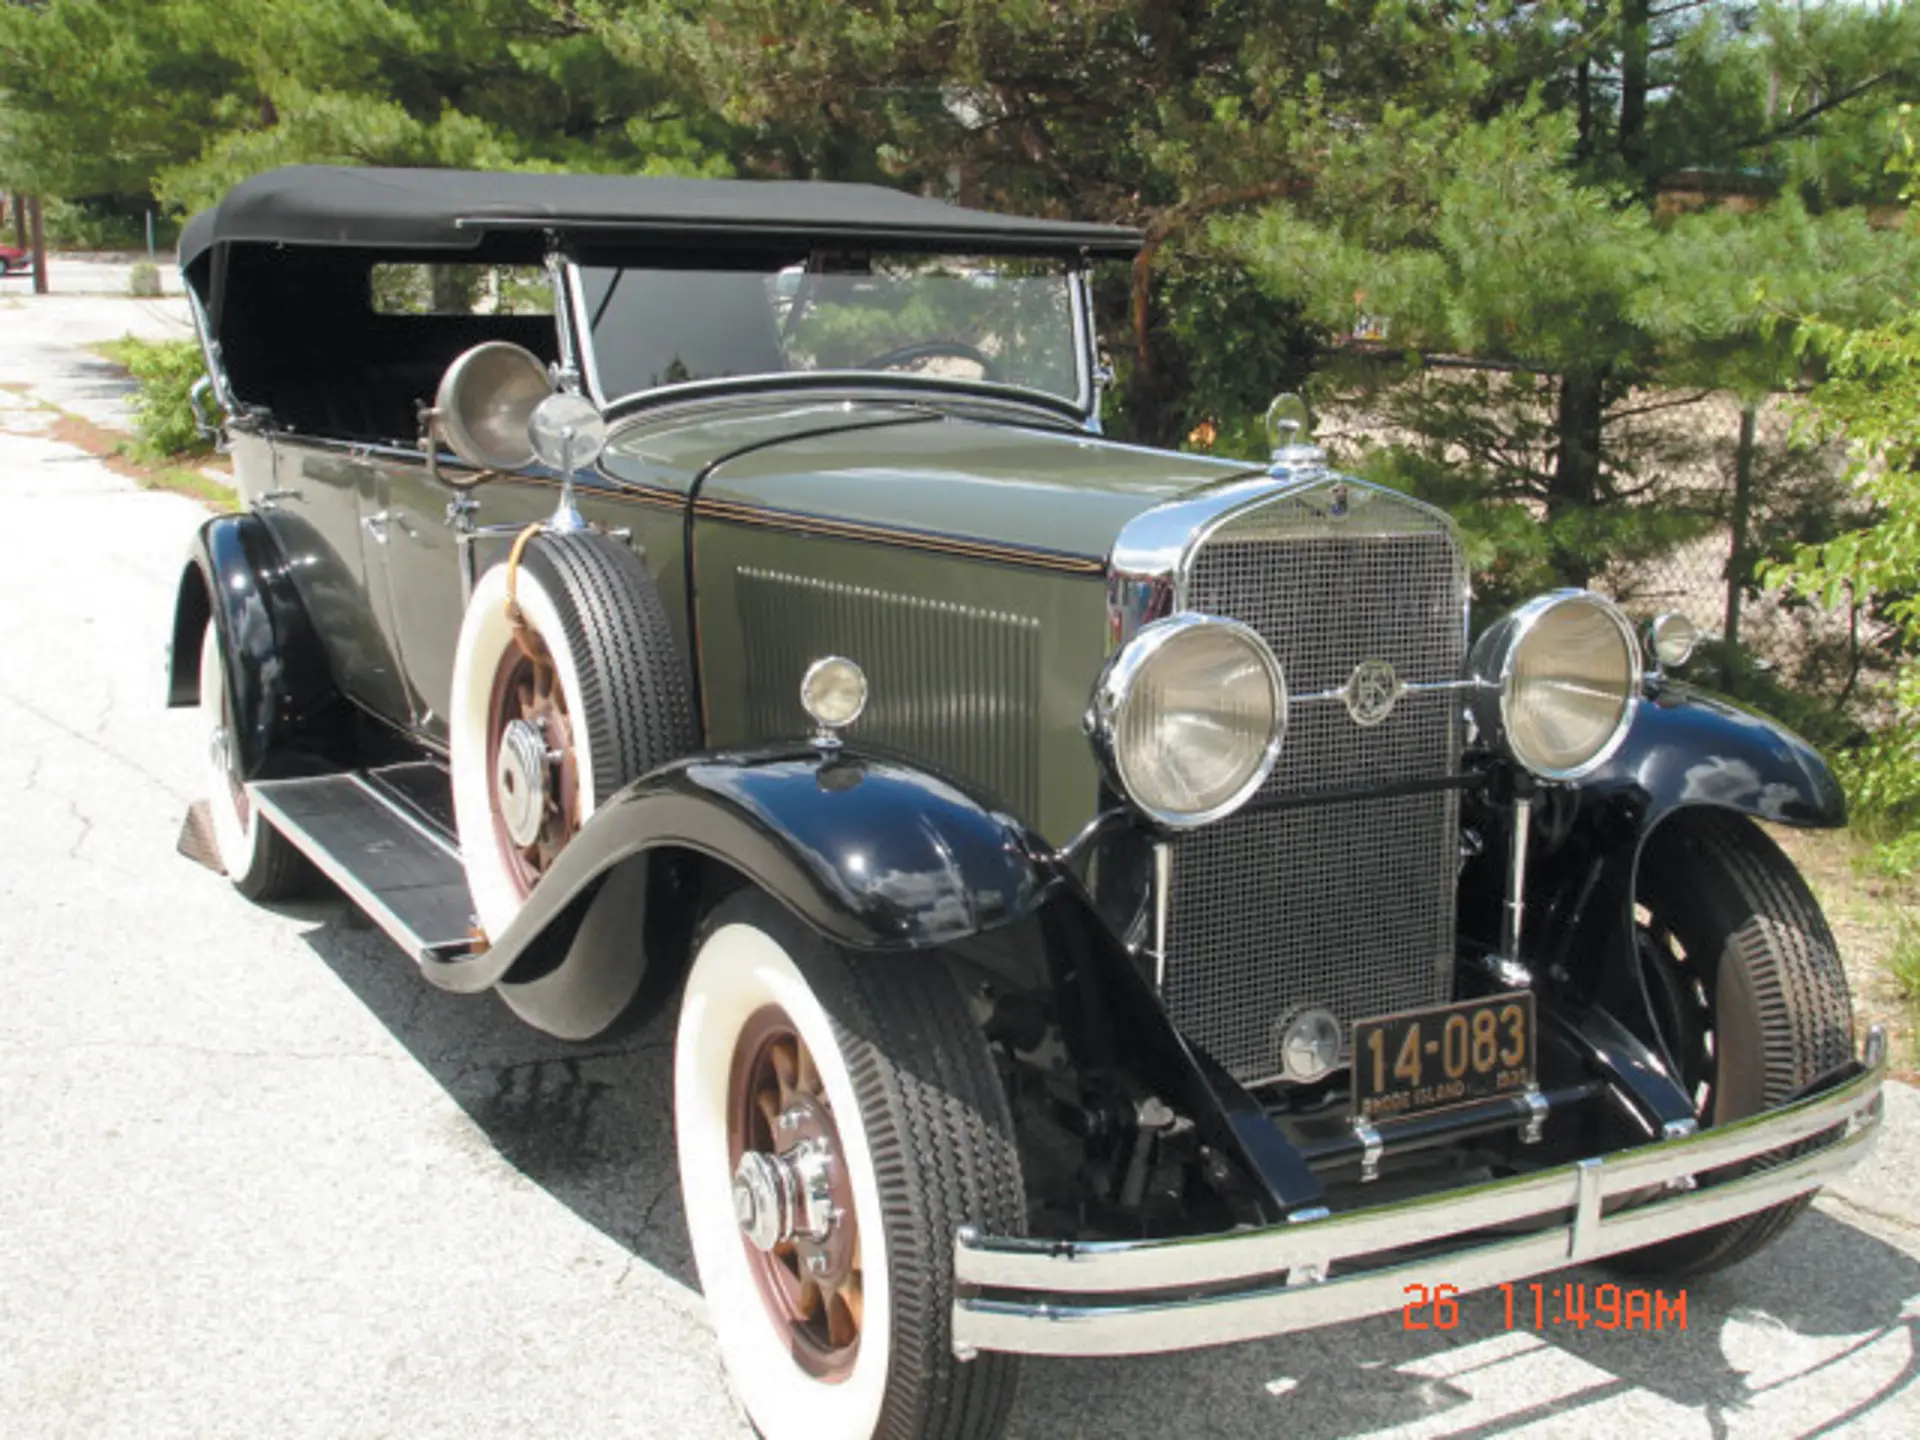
(929, 349)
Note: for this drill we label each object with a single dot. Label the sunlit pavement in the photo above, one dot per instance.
(257, 1179)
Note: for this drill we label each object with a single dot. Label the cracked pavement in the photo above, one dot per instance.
(256, 1178)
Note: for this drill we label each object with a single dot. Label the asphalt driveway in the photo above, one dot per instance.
(257, 1179)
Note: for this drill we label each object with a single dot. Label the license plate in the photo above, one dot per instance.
(1423, 1060)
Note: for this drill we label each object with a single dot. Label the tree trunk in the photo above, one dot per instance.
(1150, 415)
(20, 222)
(1574, 488)
(38, 234)
(1633, 88)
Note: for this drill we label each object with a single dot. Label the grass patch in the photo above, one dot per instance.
(1903, 964)
(118, 452)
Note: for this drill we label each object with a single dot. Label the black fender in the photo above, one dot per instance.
(1685, 750)
(879, 855)
(869, 850)
(289, 717)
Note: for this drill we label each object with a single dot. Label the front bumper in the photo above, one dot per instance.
(1060, 1297)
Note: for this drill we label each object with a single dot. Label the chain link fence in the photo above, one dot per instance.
(1734, 483)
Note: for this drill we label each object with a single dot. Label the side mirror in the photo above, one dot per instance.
(567, 432)
(483, 405)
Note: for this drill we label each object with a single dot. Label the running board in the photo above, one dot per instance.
(406, 877)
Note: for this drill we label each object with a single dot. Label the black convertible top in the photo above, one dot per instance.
(458, 209)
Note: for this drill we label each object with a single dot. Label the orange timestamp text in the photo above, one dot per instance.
(1569, 1304)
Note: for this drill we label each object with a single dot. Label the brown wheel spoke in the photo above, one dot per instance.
(797, 1218)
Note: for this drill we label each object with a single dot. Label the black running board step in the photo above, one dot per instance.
(400, 871)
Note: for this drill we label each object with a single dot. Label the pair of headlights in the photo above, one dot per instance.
(1190, 714)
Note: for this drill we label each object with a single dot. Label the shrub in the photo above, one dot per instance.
(144, 280)
(166, 370)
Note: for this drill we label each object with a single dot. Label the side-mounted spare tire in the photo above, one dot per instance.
(568, 683)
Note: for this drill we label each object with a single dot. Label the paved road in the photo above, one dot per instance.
(257, 1179)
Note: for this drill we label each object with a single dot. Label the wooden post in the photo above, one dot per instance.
(39, 246)
(1739, 557)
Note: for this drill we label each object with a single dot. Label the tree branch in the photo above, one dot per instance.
(1800, 122)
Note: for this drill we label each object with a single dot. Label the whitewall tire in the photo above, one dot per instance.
(256, 857)
(867, 1078)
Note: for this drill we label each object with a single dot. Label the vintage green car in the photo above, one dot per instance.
(1111, 905)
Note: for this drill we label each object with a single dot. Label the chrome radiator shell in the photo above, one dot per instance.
(1324, 893)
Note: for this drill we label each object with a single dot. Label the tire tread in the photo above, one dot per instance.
(1800, 995)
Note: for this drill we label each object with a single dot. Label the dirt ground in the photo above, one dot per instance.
(1864, 909)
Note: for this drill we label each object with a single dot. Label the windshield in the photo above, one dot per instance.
(997, 321)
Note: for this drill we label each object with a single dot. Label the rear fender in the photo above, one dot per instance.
(288, 716)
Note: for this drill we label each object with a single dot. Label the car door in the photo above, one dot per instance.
(421, 562)
(325, 508)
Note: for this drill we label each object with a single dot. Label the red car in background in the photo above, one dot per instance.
(13, 259)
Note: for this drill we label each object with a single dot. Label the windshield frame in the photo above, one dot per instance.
(1082, 406)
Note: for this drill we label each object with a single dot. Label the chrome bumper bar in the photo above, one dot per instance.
(1139, 1297)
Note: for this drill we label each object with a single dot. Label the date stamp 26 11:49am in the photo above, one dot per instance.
(1572, 1303)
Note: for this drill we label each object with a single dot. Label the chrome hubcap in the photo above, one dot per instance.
(520, 781)
(782, 1198)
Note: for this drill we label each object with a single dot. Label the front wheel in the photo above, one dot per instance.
(1747, 996)
(838, 1119)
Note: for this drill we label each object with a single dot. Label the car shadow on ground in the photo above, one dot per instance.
(1823, 1326)
(590, 1123)
(88, 378)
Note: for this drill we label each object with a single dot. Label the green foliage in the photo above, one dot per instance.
(181, 98)
(104, 223)
(1160, 116)
(1871, 395)
(167, 371)
(143, 279)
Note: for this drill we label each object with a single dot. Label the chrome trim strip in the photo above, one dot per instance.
(1413, 687)
(1162, 900)
(1149, 564)
(1156, 1327)
(1067, 1268)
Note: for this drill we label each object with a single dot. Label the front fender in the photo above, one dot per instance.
(1685, 750)
(1690, 748)
(870, 851)
(287, 717)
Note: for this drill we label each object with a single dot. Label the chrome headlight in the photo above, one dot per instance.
(1188, 717)
(1557, 681)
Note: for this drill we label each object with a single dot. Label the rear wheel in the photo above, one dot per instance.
(259, 860)
(1748, 998)
(838, 1119)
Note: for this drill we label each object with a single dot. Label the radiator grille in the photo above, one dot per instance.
(1343, 903)
(955, 684)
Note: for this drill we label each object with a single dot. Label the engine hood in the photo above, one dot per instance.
(898, 465)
